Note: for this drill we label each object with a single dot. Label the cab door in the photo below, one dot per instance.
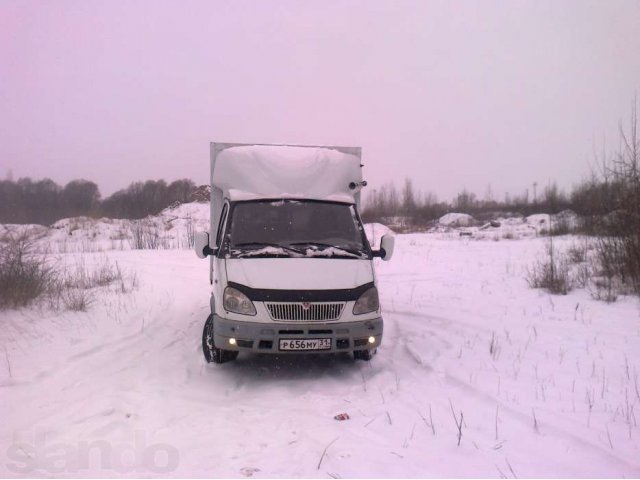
(218, 274)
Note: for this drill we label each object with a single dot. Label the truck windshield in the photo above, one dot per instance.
(295, 228)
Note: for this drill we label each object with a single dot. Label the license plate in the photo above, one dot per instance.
(305, 344)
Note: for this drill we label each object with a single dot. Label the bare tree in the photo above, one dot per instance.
(610, 203)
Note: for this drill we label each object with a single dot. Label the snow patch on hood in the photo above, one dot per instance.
(330, 252)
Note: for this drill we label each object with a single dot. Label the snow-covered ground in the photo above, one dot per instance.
(541, 386)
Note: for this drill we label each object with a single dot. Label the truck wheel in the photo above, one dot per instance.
(365, 355)
(213, 354)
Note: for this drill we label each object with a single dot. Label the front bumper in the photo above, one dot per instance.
(265, 337)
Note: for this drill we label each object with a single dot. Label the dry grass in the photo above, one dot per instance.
(552, 273)
(145, 236)
(28, 277)
(77, 300)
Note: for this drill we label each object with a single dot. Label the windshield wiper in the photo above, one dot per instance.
(324, 246)
(258, 245)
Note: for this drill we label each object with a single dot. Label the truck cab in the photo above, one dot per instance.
(290, 265)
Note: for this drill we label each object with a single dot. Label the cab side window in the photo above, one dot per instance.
(223, 219)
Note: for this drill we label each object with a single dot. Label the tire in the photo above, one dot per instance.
(365, 355)
(213, 354)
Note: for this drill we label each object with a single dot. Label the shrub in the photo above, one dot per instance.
(551, 274)
(145, 236)
(619, 257)
(24, 276)
(77, 300)
(577, 253)
(605, 289)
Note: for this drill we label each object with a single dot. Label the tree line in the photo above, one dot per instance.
(612, 191)
(417, 209)
(44, 201)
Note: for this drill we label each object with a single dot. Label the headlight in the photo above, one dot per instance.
(235, 301)
(368, 302)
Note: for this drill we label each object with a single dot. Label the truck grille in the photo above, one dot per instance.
(312, 313)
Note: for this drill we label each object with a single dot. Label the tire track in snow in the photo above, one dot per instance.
(415, 340)
(447, 322)
(526, 420)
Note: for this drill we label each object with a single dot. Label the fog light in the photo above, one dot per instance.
(232, 341)
(372, 339)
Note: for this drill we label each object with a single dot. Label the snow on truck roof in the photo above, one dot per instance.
(249, 172)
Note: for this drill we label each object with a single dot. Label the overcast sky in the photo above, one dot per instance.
(450, 94)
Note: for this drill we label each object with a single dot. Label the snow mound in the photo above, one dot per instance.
(456, 220)
(567, 218)
(196, 211)
(511, 221)
(538, 220)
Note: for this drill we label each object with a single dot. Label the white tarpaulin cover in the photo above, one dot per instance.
(274, 171)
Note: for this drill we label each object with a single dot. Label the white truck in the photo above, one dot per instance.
(290, 266)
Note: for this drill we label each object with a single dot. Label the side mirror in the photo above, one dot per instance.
(387, 243)
(201, 245)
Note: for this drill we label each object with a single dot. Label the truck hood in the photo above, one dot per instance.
(299, 273)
